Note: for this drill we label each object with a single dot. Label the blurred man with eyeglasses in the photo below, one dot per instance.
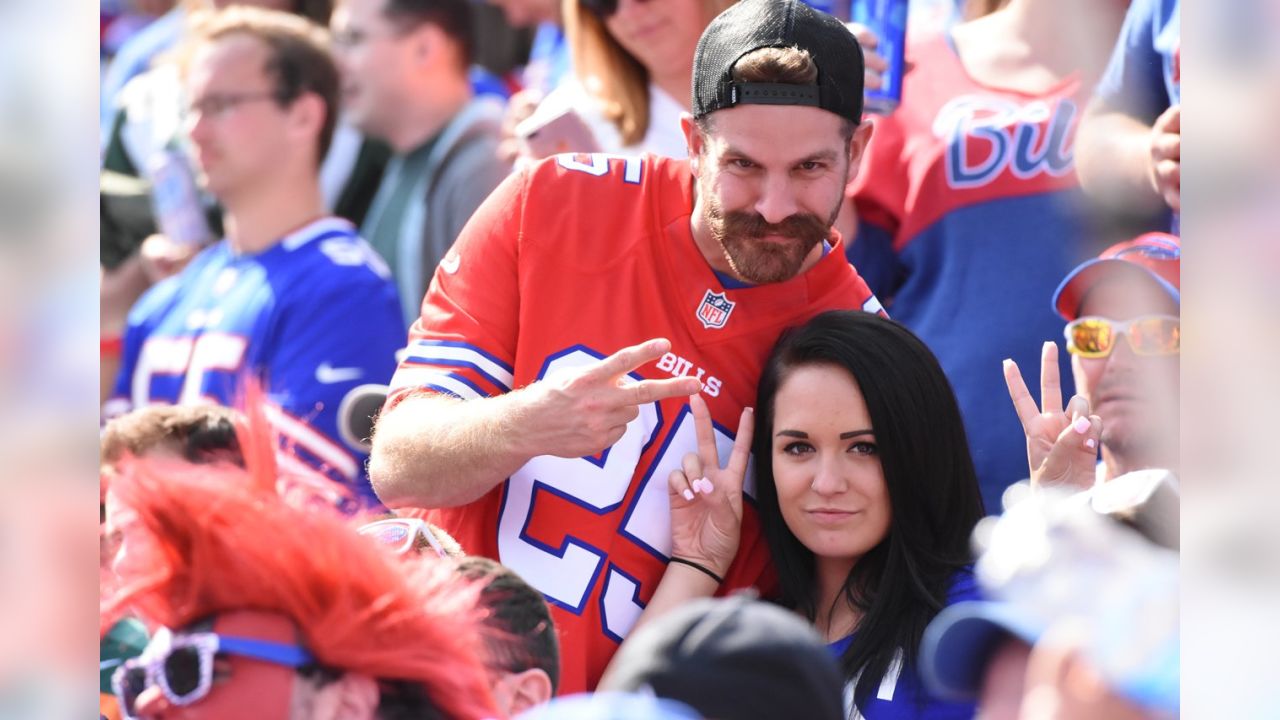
(291, 295)
(405, 81)
(1124, 334)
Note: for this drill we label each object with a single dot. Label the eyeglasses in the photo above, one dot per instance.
(401, 534)
(182, 666)
(348, 38)
(1095, 337)
(218, 104)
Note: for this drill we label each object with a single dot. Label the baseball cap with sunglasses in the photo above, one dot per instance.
(182, 665)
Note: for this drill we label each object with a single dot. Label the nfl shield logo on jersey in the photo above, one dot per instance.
(714, 311)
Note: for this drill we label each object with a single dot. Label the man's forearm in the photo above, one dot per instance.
(436, 451)
(1113, 161)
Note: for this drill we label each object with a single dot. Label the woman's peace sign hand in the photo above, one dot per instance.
(1062, 443)
(706, 500)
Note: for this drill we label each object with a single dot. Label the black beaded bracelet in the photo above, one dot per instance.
(700, 568)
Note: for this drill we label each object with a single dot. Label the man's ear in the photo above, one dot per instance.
(692, 139)
(857, 149)
(307, 114)
(527, 689)
(423, 44)
(350, 697)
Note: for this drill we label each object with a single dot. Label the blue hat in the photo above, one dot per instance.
(959, 642)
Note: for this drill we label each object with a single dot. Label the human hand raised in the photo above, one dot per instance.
(706, 499)
(1166, 156)
(162, 257)
(1062, 443)
(580, 411)
(875, 63)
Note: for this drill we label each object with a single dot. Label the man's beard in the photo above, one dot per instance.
(740, 234)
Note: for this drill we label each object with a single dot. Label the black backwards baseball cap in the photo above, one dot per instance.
(753, 24)
(734, 658)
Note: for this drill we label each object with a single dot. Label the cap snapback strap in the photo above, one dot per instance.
(737, 93)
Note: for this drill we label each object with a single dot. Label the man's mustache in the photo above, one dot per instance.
(753, 225)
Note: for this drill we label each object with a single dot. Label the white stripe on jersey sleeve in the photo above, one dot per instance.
(426, 352)
(436, 378)
(314, 442)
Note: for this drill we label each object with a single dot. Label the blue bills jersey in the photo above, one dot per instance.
(901, 694)
(312, 317)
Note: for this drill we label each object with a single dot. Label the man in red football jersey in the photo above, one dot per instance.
(544, 398)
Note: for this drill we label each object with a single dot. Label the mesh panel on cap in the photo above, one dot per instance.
(753, 24)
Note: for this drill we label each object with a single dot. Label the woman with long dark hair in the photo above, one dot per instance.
(866, 494)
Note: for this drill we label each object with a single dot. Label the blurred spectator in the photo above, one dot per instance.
(291, 294)
(734, 658)
(548, 65)
(867, 497)
(546, 383)
(137, 54)
(1128, 389)
(195, 433)
(198, 434)
(522, 651)
(147, 119)
(1084, 624)
(633, 62)
(548, 62)
(120, 20)
(293, 613)
(1130, 291)
(968, 204)
(149, 230)
(404, 80)
(1130, 145)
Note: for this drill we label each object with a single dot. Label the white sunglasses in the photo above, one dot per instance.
(400, 534)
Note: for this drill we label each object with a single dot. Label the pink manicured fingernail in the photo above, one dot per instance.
(688, 494)
(703, 485)
(1091, 443)
(1081, 425)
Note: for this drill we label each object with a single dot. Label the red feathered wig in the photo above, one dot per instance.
(224, 539)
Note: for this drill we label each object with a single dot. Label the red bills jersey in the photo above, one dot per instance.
(565, 264)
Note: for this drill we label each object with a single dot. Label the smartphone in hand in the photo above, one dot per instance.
(545, 134)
